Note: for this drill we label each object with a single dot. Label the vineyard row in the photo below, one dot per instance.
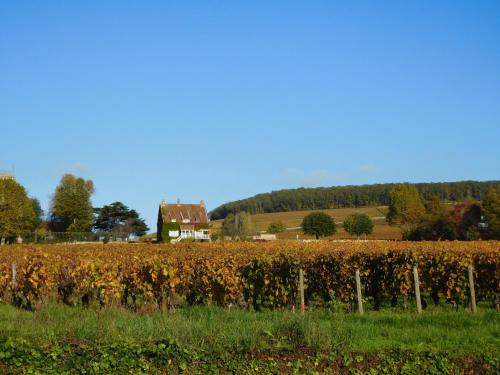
(245, 274)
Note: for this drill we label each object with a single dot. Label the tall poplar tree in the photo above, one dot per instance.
(237, 226)
(406, 207)
(71, 206)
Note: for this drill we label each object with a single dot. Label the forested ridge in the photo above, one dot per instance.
(349, 196)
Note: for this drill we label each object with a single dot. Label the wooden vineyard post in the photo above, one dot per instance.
(417, 290)
(301, 289)
(358, 290)
(472, 291)
(14, 277)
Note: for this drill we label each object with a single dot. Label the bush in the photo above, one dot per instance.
(318, 224)
(276, 227)
(358, 224)
(433, 228)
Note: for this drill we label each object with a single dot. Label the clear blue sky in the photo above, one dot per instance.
(222, 100)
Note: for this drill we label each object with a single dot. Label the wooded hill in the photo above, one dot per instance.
(349, 196)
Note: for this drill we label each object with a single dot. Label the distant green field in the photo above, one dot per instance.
(293, 219)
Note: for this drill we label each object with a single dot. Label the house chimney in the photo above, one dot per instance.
(202, 203)
(178, 202)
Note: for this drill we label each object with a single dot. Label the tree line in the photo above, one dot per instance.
(349, 196)
(71, 211)
(421, 220)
